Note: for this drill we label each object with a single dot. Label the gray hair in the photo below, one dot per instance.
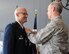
(15, 14)
(58, 5)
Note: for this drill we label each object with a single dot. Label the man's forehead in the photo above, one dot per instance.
(50, 6)
(21, 9)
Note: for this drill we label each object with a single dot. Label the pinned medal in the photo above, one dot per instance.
(21, 37)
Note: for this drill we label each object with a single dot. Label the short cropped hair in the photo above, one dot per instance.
(15, 14)
(58, 5)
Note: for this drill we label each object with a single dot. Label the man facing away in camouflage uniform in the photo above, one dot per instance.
(54, 36)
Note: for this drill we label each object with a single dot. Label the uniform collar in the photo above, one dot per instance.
(20, 24)
(57, 17)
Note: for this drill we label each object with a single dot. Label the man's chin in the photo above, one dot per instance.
(25, 21)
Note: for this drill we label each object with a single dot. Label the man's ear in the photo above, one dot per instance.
(53, 8)
(17, 14)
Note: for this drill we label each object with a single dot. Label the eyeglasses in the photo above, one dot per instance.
(23, 13)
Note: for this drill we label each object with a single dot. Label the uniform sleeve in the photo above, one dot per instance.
(44, 34)
(8, 41)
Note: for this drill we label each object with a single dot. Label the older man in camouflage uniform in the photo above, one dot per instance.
(53, 38)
